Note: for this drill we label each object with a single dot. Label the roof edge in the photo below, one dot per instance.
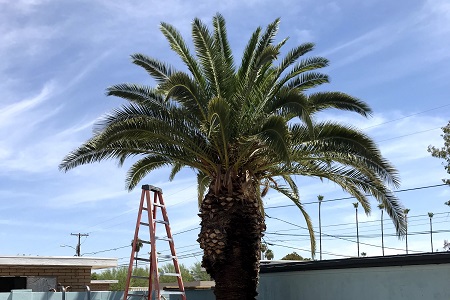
(72, 261)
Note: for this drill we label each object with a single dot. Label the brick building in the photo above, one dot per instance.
(42, 274)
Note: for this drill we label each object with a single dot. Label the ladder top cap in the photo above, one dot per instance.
(152, 188)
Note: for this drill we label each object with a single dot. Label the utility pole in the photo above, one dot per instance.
(78, 250)
(355, 205)
(320, 198)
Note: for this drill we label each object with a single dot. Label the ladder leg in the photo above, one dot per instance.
(133, 248)
(172, 246)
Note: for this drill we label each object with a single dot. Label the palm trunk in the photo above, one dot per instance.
(231, 229)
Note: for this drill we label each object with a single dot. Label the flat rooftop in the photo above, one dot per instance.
(58, 261)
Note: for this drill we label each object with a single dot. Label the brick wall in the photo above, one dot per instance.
(75, 277)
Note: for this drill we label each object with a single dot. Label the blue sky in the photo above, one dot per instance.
(59, 56)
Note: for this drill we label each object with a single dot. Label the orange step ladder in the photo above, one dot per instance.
(151, 207)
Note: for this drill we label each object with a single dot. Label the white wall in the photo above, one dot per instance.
(428, 282)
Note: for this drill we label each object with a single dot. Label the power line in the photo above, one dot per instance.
(408, 116)
(409, 134)
(337, 237)
(353, 197)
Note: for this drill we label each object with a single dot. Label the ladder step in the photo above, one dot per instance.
(163, 238)
(142, 259)
(170, 274)
(143, 223)
(158, 204)
(172, 292)
(138, 295)
(167, 256)
(162, 222)
(139, 277)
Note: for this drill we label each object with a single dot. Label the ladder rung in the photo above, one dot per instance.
(171, 274)
(163, 238)
(143, 223)
(142, 259)
(172, 292)
(167, 256)
(145, 242)
(162, 222)
(158, 204)
(139, 277)
(138, 295)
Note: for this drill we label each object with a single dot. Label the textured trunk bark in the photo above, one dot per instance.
(232, 227)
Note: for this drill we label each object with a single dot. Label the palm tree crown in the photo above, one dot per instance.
(250, 126)
(223, 121)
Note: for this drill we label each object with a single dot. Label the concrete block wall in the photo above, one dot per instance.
(75, 277)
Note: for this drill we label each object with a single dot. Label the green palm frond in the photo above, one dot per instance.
(176, 167)
(143, 167)
(139, 94)
(221, 40)
(253, 121)
(324, 100)
(203, 182)
(288, 193)
(308, 80)
(154, 68)
(178, 45)
(274, 134)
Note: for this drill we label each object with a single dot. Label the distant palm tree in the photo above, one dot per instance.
(406, 211)
(355, 205)
(381, 206)
(269, 254)
(430, 215)
(320, 198)
(137, 248)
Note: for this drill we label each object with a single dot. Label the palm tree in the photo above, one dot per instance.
(320, 198)
(430, 215)
(381, 207)
(243, 129)
(269, 254)
(137, 247)
(355, 205)
(406, 211)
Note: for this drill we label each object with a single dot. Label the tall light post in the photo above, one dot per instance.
(381, 207)
(320, 198)
(430, 215)
(355, 205)
(406, 211)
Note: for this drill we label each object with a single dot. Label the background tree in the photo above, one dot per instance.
(363, 254)
(292, 256)
(266, 253)
(170, 268)
(120, 274)
(199, 273)
(444, 152)
(355, 205)
(446, 245)
(381, 207)
(269, 254)
(244, 129)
